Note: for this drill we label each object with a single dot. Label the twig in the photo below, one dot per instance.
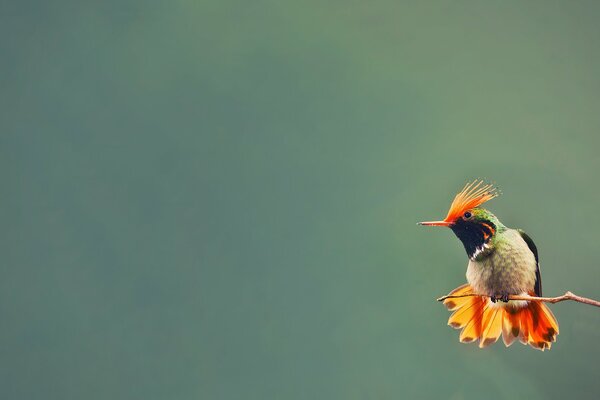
(564, 297)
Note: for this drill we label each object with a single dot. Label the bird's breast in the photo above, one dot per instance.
(509, 269)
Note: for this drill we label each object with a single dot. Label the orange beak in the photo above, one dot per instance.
(435, 223)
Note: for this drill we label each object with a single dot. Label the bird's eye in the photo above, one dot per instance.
(467, 215)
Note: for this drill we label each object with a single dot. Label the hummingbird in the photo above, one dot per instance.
(502, 262)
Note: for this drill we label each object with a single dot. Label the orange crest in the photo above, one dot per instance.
(472, 195)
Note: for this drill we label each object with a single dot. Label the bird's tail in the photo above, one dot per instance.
(531, 322)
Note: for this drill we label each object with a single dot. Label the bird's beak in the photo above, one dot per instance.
(435, 223)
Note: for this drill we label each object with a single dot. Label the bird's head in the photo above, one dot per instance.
(472, 224)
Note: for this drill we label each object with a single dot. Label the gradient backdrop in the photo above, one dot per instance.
(217, 199)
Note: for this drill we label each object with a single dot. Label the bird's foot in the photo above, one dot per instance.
(503, 297)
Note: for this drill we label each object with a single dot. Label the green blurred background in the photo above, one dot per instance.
(217, 199)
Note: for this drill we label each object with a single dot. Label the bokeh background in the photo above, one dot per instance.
(217, 199)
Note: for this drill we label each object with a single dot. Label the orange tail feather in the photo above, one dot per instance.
(532, 323)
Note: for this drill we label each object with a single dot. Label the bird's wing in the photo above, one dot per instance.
(538, 275)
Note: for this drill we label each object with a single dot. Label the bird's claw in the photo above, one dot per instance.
(503, 297)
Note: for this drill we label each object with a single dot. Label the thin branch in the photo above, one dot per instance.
(564, 297)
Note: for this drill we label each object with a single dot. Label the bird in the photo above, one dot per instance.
(502, 262)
